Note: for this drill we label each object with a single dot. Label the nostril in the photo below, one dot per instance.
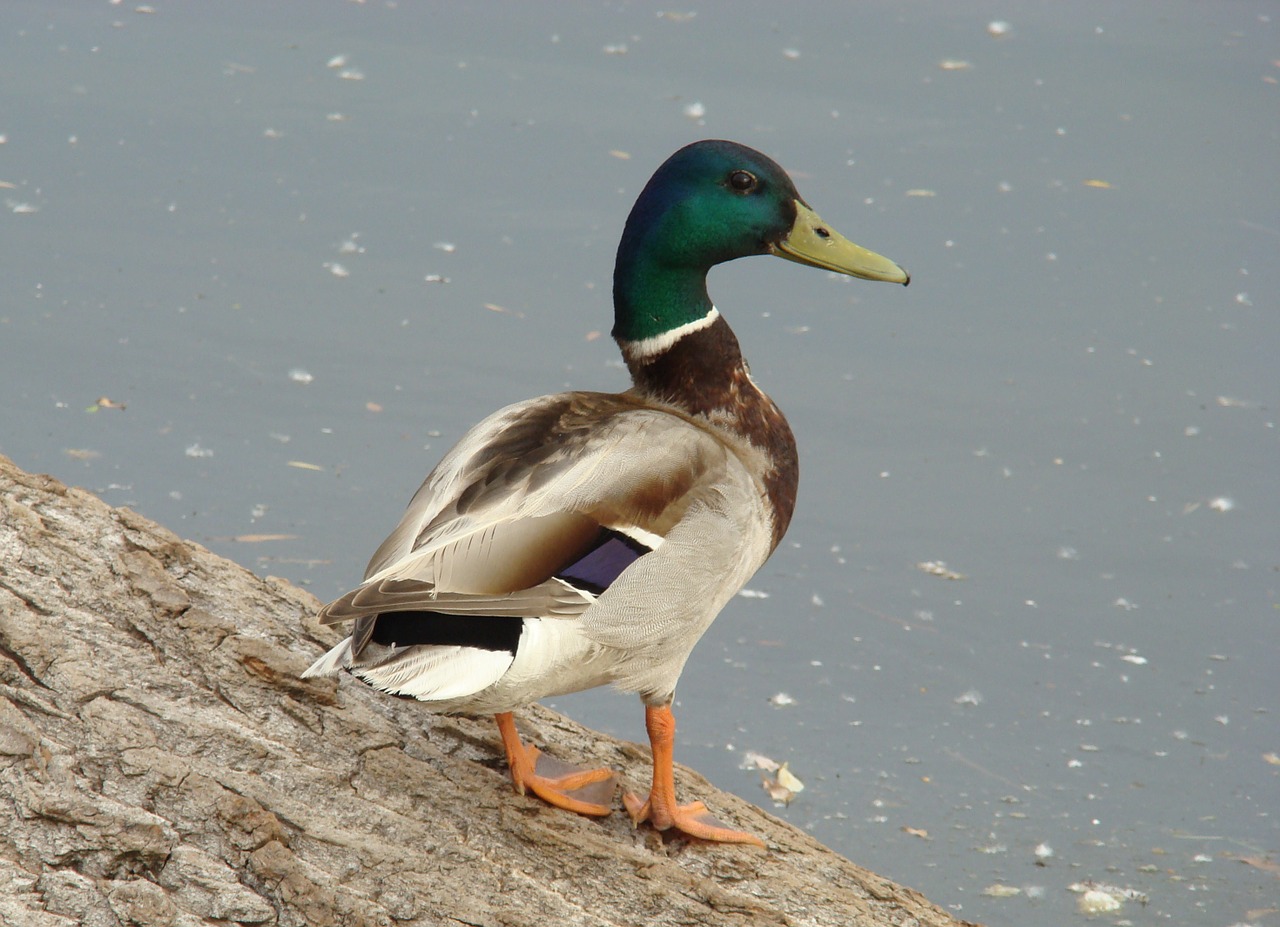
(821, 232)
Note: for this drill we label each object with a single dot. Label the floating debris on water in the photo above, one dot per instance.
(753, 760)
(195, 450)
(781, 700)
(1096, 902)
(298, 375)
(783, 787)
(1000, 890)
(939, 568)
(954, 64)
(999, 29)
(1101, 898)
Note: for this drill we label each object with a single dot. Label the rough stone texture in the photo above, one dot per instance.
(162, 765)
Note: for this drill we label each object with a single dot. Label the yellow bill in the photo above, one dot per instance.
(817, 244)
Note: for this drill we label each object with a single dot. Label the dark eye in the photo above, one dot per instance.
(742, 182)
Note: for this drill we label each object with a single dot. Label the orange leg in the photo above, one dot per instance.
(586, 791)
(661, 808)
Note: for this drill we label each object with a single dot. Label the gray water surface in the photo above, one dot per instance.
(305, 246)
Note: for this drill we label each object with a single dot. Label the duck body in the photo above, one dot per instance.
(575, 540)
(585, 539)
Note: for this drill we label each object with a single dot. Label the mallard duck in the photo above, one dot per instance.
(586, 539)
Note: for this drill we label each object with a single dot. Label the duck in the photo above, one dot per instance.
(587, 539)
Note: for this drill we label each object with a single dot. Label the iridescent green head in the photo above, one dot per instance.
(711, 202)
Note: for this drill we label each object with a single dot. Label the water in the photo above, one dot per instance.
(223, 218)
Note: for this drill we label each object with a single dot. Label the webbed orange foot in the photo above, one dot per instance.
(692, 819)
(661, 809)
(574, 788)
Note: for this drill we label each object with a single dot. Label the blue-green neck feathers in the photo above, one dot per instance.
(711, 202)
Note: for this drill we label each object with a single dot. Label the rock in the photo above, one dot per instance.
(162, 763)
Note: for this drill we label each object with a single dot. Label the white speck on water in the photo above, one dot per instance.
(195, 450)
(447, 247)
(338, 270)
(998, 29)
(971, 697)
(781, 700)
(753, 594)
(1222, 504)
(1134, 659)
(298, 375)
(695, 111)
(753, 760)
(1096, 902)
